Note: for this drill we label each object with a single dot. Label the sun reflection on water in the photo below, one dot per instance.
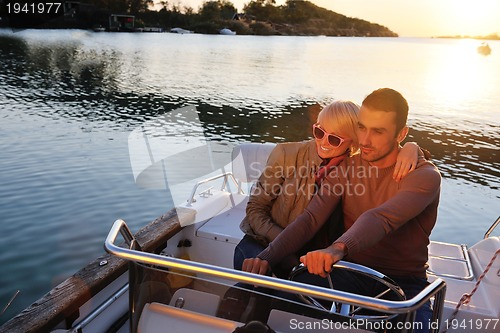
(459, 75)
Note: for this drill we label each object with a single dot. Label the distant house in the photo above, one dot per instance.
(243, 17)
(119, 22)
(238, 16)
(84, 15)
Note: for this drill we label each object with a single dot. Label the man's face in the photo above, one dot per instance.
(377, 136)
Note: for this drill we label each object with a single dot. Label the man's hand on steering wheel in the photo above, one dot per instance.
(320, 262)
(256, 265)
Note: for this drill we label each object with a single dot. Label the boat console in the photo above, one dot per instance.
(183, 288)
(221, 299)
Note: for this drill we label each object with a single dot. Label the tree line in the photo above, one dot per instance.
(259, 17)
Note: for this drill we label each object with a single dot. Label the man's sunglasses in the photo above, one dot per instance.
(334, 140)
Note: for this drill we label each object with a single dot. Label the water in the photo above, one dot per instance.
(70, 99)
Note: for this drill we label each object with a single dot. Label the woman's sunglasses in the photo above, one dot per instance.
(334, 140)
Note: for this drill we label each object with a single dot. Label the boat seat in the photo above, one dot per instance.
(449, 260)
(160, 318)
(248, 162)
(281, 321)
(225, 226)
(195, 300)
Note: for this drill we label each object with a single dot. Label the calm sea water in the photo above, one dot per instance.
(70, 99)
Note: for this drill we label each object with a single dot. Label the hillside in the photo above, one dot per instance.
(305, 18)
(263, 17)
(260, 17)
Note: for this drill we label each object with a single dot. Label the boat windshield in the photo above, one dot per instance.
(178, 295)
(162, 298)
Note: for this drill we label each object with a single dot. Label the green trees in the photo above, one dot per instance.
(264, 11)
(133, 7)
(260, 17)
(217, 10)
(305, 18)
(213, 16)
(136, 7)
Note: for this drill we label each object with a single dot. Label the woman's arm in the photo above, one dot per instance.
(263, 196)
(407, 160)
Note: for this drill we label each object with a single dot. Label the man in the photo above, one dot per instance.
(387, 223)
(293, 174)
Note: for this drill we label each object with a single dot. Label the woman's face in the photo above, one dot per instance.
(324, 145)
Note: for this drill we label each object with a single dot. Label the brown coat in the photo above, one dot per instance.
(283, 190)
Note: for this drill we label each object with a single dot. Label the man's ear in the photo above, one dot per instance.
(402, 134)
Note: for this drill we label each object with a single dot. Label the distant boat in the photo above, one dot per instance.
(99, 28)
(227, 31)
(484, 49)
(180, 31)
(152, 29)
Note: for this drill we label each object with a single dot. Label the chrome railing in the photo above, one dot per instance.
(436, 289)
(225, 175)
(493, 226)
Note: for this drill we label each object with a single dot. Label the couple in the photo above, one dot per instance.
(388, 212)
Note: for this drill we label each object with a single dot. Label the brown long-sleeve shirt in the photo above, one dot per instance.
(387, 223)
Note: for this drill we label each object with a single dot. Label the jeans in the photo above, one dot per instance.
(351, 282)
(250, 248)
(412, 286)
(246, 248)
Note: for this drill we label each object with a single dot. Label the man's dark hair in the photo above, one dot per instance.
(389, 100)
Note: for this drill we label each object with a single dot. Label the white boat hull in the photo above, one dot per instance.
(210, 224)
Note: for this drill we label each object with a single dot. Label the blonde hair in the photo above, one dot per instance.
(342, 117)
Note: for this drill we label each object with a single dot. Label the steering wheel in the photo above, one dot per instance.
(350, 310)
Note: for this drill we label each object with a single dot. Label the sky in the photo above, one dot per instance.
(417, 18)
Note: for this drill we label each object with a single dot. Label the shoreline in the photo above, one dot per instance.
(484, 38)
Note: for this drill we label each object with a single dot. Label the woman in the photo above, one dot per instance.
(294, 172)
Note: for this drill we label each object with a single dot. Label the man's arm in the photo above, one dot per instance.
(307, 224)
(320, 262)
(417, 191)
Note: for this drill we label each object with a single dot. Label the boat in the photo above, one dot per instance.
(226, 31)
(99, 28)
(152, 29)
(180, 31)
(484, 49)
(176, 273)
